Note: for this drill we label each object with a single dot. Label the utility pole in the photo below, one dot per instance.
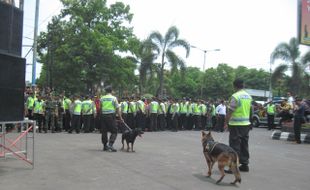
(270, 85)
(35, 36)
(204, 64)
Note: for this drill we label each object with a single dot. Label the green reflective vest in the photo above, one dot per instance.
(271, 109)
(162, 108)
(124, 107)
(108, 104)
(132, 108)
(174, 108)
(87, 107)
(38, 107)
(203, 109)
(196, 110)
(77, 107)
(66, 103)
(183, 107)
(241, 115)
(154, 107)
(213, 112)
(189, 108)
(141, 106)
(30, 102)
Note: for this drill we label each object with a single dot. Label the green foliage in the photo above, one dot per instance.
(186, 85)
(80, 49)
(218, 82)
(290, 54)
(214, 82)
(163, 47)
(254, 79)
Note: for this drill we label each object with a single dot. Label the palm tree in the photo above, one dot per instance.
(163, 47)
(143, 57)
(290, 54)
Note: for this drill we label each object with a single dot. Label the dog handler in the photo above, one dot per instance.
(109, 108)
(238, 119)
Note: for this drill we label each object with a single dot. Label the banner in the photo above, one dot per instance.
(304, 21)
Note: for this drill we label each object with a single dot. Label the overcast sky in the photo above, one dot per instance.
(246, 31)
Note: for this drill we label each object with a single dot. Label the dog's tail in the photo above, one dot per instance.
(234, 166)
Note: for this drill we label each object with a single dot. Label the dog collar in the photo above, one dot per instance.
(211, 145)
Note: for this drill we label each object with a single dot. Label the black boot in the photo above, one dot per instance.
(244, 168)
(105, 147)
(111, 148)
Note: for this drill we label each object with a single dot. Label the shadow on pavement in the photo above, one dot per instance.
(212, 180)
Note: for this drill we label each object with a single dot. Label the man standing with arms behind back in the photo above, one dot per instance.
(109, 108)
(238, 119)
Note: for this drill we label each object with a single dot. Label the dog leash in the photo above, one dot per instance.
(127, 126)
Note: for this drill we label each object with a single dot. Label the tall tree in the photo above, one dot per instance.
(219, 81)
(253, 78)
(187, 85)
(143, 57)
(290, 54)
(164, 47)
(85, 49)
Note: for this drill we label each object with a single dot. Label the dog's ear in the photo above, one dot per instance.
(203, 133)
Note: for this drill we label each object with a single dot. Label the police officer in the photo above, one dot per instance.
(189, 115)
(238, 119)
(299, 114)
(132, 112)
(124, 108)
(204, 116)
(153, 114)
(174, 110)
(140, 118)
(213, 115)
(67, 116)
(38, 112)
(51, 109)
(109, 109)
(58, 119)
(88, 111)
(30, 104)
(183, 112)
(196, 114)
(271, 110)
(161, 115)
(76, 115)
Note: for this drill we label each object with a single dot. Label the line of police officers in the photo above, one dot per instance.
(58, 113)
(160, 114)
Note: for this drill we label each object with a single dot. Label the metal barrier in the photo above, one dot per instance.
(17, 139)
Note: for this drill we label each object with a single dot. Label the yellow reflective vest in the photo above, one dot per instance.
(241, 115)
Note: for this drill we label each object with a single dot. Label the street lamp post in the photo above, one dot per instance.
(270, 84)
(35, 35)
(204, 62)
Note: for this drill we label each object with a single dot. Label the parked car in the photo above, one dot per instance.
(278, 100)
(259, 118)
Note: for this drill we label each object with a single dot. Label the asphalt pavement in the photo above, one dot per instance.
(162, 161)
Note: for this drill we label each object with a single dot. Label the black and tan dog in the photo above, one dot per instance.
(221, 153)
(130, 137)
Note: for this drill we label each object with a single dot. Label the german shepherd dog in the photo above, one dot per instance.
(221, 153)
(130, 137)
